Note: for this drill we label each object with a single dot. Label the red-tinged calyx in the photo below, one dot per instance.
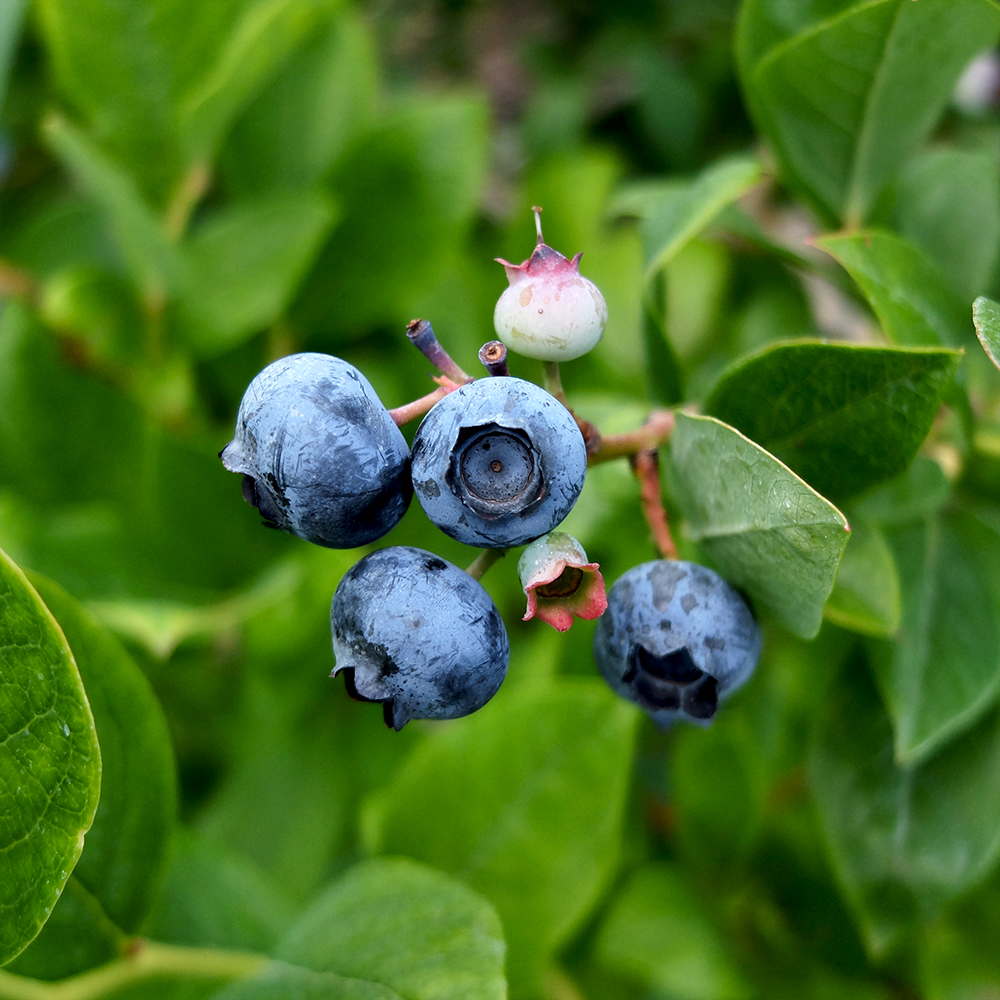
(559, 583)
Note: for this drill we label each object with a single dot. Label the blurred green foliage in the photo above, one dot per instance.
(191, 190)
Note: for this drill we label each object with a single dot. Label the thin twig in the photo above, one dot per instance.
(653, 433)
(421, 335)
(646, 466)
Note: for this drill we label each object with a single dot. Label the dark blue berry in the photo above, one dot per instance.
(320, 455)
(676, 639)
(418, 634)
(498, 462)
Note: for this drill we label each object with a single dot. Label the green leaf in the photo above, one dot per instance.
(866, 597)
(414, 929)
(286, 982)
(909, 294)
(943, 671)
(657, 933)
(948, 205)
(918, 492)
(125, 854)
(845, 418)
(50, 763)
(292, 134)
(11, 20)
(213, 896)
(903, 838)
(524, 802)
(767, 530)
(246, 263)
(663, 367)
(153, 262)
(118, 534)
(679, 213)
(260, 39)
(847, 101)
(417, 173)
(958, 959)
(986, 316)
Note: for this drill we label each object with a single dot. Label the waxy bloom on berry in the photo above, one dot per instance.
(550, 311)
(559, 582)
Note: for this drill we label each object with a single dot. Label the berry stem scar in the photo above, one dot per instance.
(484, 561)
(493, 355)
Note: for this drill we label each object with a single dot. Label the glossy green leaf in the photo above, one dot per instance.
(245, 264)
(848, 100)
(844, 418)
(909, 295)
(287, 982)
(678, 214)
(153, 262)
(301, 123)
(866, 597)
(986, 316)
(258, 42)
(11, 20)
(50, 763)
(416, 930)
(943, 671)
(948, 205)
(656, 933)
(767, 530)
(523, 801)
(214, 896)
(904, 839)
(125, 854)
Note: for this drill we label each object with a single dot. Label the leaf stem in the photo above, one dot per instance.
(653, 433)
(481, 564)
(146, 960)
(189, 192)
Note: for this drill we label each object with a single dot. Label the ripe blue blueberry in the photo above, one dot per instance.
(320, 455)
(498, 462)
(419, 635)
(675, 639)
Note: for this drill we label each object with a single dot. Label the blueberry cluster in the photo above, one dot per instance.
(496, 463)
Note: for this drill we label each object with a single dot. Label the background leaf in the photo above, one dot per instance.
(907, 292)
(948, 205)
(50, 763)
(286, 982)
(944, 671)
(844, 418)
(403, 924)
(986, 316)
(903, 839)
(124, 859)
(524, 803)
(848, 100)
(866, 597)
(767, 530)
(658, 934)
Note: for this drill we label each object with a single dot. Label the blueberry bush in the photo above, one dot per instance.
(786, 443)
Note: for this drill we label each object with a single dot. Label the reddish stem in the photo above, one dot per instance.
(653, 433)
(646, 466)
(421, 335)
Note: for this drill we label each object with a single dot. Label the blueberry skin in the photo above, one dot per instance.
(419, 635)
(321, 456)
(676, 639)
(498, 462)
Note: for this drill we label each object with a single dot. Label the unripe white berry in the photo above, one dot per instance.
(550, 311)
